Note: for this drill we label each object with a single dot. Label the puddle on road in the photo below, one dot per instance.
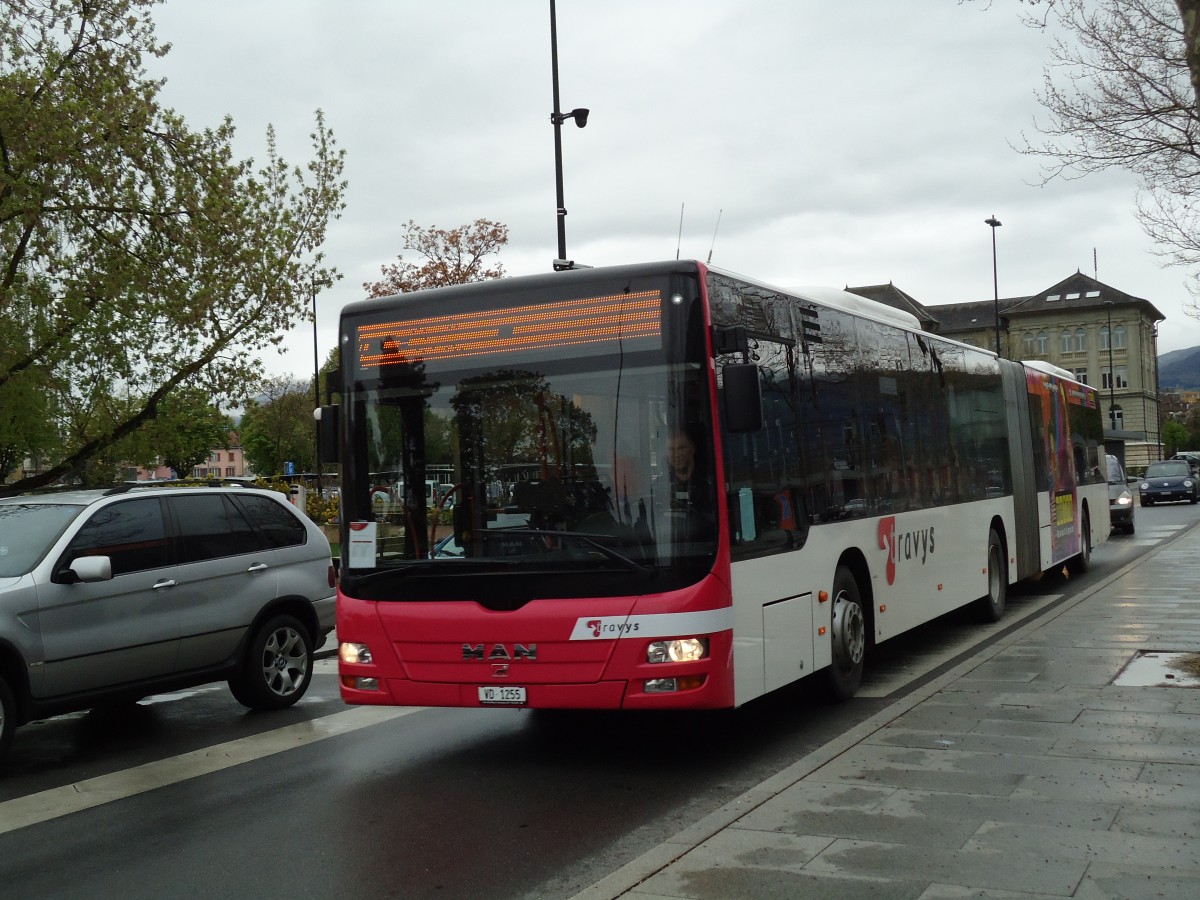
(1154, 668)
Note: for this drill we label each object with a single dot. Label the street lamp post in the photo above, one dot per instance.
(316, 387)
(995, 223)
(580, 115)
(1112, 373)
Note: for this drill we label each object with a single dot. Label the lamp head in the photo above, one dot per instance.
(580, 115)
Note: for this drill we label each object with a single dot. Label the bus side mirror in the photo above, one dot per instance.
(327, 432)
(743, 397)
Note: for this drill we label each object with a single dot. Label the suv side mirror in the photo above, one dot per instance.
(87, 570)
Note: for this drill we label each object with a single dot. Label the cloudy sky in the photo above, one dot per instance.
(838, 143)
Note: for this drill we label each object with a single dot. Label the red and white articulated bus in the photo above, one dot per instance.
(678, 488)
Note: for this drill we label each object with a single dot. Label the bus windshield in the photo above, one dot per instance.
(548, 460)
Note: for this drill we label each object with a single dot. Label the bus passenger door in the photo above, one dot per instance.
(766, 498)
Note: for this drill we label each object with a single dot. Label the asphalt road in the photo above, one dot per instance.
(190, 795)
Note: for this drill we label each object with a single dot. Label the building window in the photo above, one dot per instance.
(1029, 343)
(1117, 417)
(1118, 337)
(1107, 381)
(1065, 343)
(1080, 340)
(1043, 343)
(1081, 376)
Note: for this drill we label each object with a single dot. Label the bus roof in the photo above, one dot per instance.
(827, 296)
(1040, 365)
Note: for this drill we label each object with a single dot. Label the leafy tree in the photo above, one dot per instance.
(183, 434)
(457, 256)
(280, 428)
(1174, 436)
(1193, 427)
(1130, 99)
(136, 255)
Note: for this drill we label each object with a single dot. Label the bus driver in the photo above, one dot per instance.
(685, 482)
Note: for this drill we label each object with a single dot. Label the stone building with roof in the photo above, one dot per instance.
(1103, 336)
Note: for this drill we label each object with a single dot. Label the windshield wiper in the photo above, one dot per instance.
(590, 540)
(414, 567)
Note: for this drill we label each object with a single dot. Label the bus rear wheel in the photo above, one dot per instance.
(849, 636)
(1078, 565)
(991, 605)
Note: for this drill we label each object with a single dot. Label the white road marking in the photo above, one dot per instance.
(178, 695)
(70, 798)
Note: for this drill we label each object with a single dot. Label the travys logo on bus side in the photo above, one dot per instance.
(904, 547)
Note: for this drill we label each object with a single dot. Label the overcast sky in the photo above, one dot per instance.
(840, 143)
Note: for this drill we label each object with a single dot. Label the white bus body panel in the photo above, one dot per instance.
(776, 605)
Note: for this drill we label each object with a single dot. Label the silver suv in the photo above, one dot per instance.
(115, 595)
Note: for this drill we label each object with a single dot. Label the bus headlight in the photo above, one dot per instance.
(679, 650)
(355, 654)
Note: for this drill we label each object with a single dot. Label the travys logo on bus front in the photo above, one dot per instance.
(908, 547)
(708, 621)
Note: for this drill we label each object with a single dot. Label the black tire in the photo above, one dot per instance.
(1079, 564)
(1129, 527)
(848, 634)
(278, 665)
(990, 607)
(1146, 501)
(8, 716)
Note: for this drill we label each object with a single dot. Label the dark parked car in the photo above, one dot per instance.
(1168, 481)
(1120, 497)
(115, 595)
(1191, 457)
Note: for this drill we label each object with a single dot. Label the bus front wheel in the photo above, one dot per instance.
(849, 635)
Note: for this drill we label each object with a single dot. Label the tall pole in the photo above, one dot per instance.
(1112, 373)
(557, 118)
(316, 388)
(995, 223)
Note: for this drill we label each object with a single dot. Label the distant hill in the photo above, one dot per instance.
(1179, 370)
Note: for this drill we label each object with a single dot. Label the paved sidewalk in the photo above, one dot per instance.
(1024, 772)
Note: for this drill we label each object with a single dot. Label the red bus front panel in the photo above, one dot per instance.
(587, 653)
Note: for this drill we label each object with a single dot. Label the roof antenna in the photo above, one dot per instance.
(714, 240)
(679, 240)
(1095, 266)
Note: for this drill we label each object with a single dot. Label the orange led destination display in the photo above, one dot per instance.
(573, 323)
